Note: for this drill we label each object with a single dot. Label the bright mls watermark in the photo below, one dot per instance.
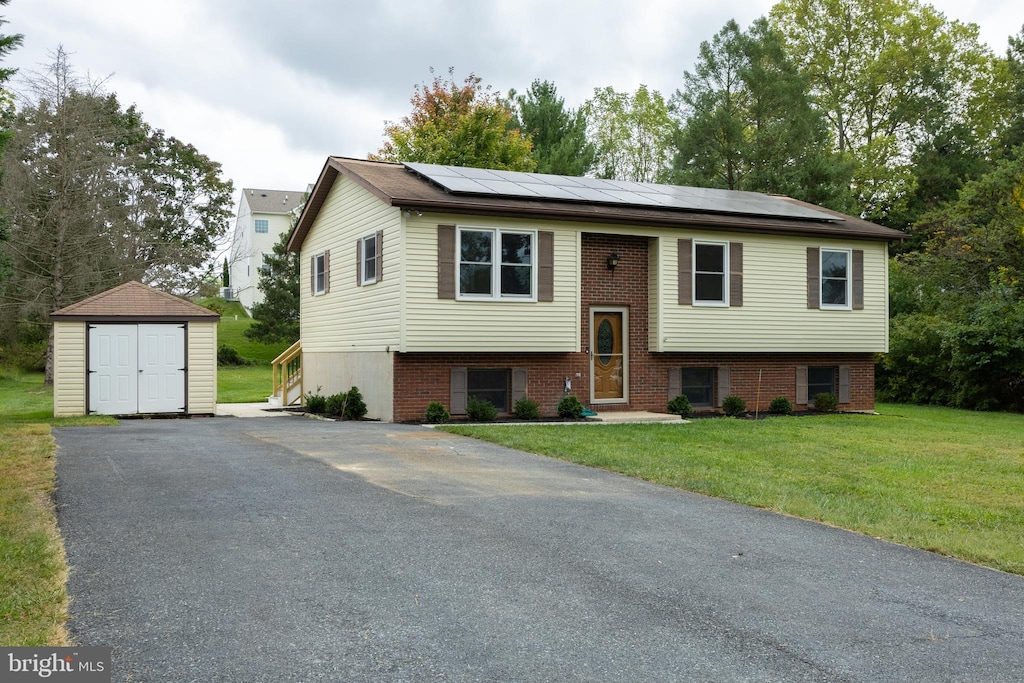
(80, 664)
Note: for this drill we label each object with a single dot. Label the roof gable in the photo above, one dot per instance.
(405, 186)
(135, 301)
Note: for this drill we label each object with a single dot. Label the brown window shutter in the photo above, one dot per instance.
(844, 383)
(685, 272)
(327, 271)
(446, 265)
(724, 385)
(801, 385)
(359, 262)
(813, 279)
(312, 275)
(380, 254)
(675, 382)
(459, 383)
(735, 273)
(518, 384)
(545, 266)
(858, 279)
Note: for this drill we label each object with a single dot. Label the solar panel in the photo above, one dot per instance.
(496, 183)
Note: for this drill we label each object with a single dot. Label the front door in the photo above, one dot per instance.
(608, 358)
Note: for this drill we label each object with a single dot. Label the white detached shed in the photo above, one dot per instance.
(134, 350)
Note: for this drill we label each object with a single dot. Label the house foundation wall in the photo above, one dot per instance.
(421, 378)
(370, 371)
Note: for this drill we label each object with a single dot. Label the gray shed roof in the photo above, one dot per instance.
(272, 201)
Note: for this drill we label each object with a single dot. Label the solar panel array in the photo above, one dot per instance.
(481, 181)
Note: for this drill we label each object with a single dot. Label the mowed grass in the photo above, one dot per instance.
(33, 570)
(244, 383)
(948, 481)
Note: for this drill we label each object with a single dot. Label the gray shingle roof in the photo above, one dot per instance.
(272, 201)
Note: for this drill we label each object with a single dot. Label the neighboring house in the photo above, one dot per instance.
(430, 283)
(263, 215)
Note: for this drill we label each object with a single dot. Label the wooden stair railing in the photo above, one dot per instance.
(287, 370)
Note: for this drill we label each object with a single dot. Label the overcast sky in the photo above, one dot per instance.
(270, 89)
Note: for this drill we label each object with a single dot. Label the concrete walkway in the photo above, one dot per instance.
(616, 417)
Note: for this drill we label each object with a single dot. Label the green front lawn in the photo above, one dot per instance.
(944, 480)
(33, 571)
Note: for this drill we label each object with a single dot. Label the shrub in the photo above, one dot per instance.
(227, 355)
(481, 411)
(315, 403)
(570, 407)
(437, 413)
(780, 405)
(526, 409)
(825, 402)
(734, 406)
(335, 404)
(680, 406)
(355, 406)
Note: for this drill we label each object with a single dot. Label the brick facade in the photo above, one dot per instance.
(420, 378)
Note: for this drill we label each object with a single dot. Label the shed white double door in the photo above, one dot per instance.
(136, 369)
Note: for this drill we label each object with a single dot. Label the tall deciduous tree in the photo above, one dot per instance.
(631, 133)
(276, 318)
(882, 71)
(748, 123)
(95, 198)
(458, 125)
(558, 134)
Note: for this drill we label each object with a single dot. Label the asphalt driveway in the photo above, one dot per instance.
(232, 549)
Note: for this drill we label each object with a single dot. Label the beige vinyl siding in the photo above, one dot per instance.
(433, 324)
(202, 367)
(654, 292)
(774, 315)
(69, 369)
(349, 317)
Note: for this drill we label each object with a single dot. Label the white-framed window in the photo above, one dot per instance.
(821, 380)
(320, 274)
(496, 264)
(710, 273)
(368, 259)
(262, 226)
(835, 279)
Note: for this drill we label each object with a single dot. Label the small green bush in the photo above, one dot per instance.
(825, 402)
(680, 406)
(526, 409)
(481, 411)
(228, 355)
(355, 406)
(335, 404)
(780, 405)
(734, 406)
(315, 403)
(570, 407)
(437, 413)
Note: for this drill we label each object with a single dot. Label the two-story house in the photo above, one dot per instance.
(430, 283)
(263, 216)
